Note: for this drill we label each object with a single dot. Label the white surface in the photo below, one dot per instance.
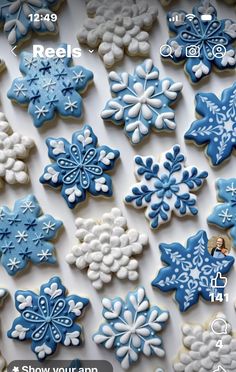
(70, 19)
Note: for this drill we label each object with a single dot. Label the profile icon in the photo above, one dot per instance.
(219, 246)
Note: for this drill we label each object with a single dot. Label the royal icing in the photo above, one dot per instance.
(25, 235)
(48, 318)
(165, 186)
(17, 23)
(14, 150)
(80, 166)
(116, 27)
(200, 43)
(190, 271)
(50, 85)
(131, 327)
(217, 128)
(142, 101)
(107, 247)
(202, 350)
(223, 215)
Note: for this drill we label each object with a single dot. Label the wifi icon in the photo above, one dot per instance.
(190, 17)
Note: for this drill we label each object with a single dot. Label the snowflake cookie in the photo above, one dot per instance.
(48, 319)
(131, 327)
(79, 166)
(200, 43)
(50, 85)
(201, 347)
(224, 214)
(14, 14)
(118, 26)
(25, 235)
(142, 101)
(190, 271)
(107, 247)
(14, 149)
(165, 187)
(217, 128)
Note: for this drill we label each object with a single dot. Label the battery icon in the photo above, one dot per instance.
(206, 17)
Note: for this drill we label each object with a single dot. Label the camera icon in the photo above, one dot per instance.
(192, 51)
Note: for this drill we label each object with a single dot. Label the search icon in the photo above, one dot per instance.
(166, 51)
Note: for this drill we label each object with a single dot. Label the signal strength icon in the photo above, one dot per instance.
(190, 16)
(174, 18)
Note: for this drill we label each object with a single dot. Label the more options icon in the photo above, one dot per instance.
(192, 51)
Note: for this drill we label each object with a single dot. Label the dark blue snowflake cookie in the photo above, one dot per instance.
(48, 318)
(22, 17)
(165, 186)
(224, 214)
(25, 235)
(201, 43)
(132, 327)
(142, 101)
(50, 85)
(191, 271)
(80, 166)
(217, 128)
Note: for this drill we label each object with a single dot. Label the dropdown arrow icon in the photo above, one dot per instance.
(91, 51)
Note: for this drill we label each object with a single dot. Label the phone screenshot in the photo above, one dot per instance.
(117, 185)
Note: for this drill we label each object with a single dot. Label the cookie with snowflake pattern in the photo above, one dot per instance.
(224, 214)
(79, 167)
(142, 101)
(131, 327)
(205, 350)
(50, 86)
(217, 127)
(21, 17)
(201, 44)
(118, 27)
(25, 235)
(192, 271)
(48, 319)
(107, 248)
(165, 187)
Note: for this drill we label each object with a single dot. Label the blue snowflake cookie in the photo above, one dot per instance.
(190, 271)
(165, 187)
(48, 318)
(80, 166)
(131, 327)
(200, 43)
(17, 22)
(217, 128)
(224, 214)
(142, 101)
(50, 85)
(25, 235)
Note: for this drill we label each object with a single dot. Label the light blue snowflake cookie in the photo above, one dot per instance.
(131, 327)
(48, 318)
(21, 17)
(142, 101)
(217, 128)
(80, 166)
(165, 186)
(190, 271)
(224, 214)
(25, 235)
(201, 43)
(50, 85)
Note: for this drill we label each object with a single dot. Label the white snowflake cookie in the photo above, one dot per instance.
(117, 26)
(107, 247)
(207, 347)
(14, 149)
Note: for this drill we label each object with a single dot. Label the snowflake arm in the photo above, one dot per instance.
(142, 101)
(190, 270)
(50, 86)
(165, 187)
(134, 314)
(80, 166)
(41, 319)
